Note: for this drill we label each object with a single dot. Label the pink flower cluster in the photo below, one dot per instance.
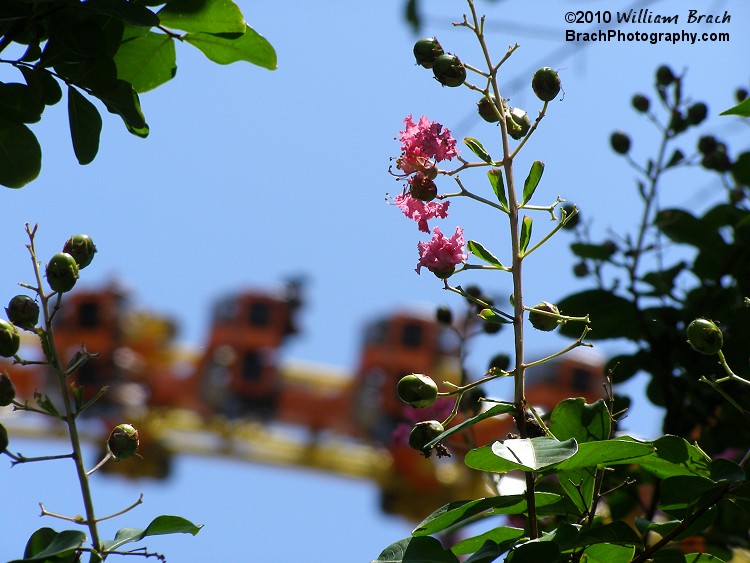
(442, 254)
(420, 211)
(423, 141)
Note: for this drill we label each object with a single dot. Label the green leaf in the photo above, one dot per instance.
(146, 59)
(611, 316)
(612, 533)
(534, 551)
(46, 543)
(676, 456)
(466, 511)
(483, 254)
(43, 85)
(593, 251)
(502, 538)
(206, 16)
(525, 233)
(695, 527)
(225, 49)
(131, 13)
(492, 317)
(532, 181)
(608, 553)
(159, 526)
(741, 169)
(579, 485)
(502, 408)
(679, 493)
(85, 126)
(526, 454)
(416, 550)
(488, 552)
(17, 103)
(478, 149)
(574, 418)
(685, 228)
(671, 557)
(742, 109)
(20, 154)
(604, 453)
(495, 176)
(123, 101)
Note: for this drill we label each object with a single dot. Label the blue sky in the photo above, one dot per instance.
(249, 176)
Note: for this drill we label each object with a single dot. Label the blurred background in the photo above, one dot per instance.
(250, 179)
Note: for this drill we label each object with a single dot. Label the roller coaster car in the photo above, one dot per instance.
(238, 371)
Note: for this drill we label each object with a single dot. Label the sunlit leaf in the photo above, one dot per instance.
(526, 454)
(146, 59)
(47, 544)
(85, 126)
(206, 16)
(496, 410)
(525, 233)
(20, 154)
(608, 553)
(495, 176)
(574, 418)
(483, 254)
(532, 181)
(478, 149)
(742, 109)
(501, 537)
(159, 526)
(230, 48)
(492, 317)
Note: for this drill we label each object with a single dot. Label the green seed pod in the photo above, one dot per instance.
(705, 337)
(697, 113)
(641, 103)
(664, 76)
(422, 188)
(573, 221)
(123, 442)
(518, 123)
(423, 433)
(740, 94)
(707, 144)
(620, 142)
(444, 273)
(717, 160)
(7, 390)
(541, 321)
(10, 340)
(678, 123)
(487, 110)
(23, 312)
(581, 270)
(449, 70)
(417, 390)
(62, 272)
(426, 51)
(546, 84)
(81, 248)
(3, 438)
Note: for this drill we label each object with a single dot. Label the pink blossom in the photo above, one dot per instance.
(427, 139)
(441, 254)
(420, 211)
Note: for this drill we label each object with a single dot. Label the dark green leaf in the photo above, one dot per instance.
(611, 316)
(502, 538)
(675, 456)
(43, 85)
(17, 103)
(532, 181)
(20, 154)
(489, 552)
(574, 418)
(123, 101)
(496, 180)
(672, 557)
(416, 550)
(608, 553)
(683, 227)
(525, 233)
(534, 551)
(466, 511)
(663, 281)
(593, 251)
(497, 410)
(226, 49)
(98, 74)
(723, 470)
(478, 149)
(46, 543)
(579, 485)
(131, 13)
(695, 527)
(207, 16)
(483, 254)
(680, 492)
(85, 126)
(742, 109)
(526, 454)
(612, 533)
(741, 169)
(146, 59)
(159, 526)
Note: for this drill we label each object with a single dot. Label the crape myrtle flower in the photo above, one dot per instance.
(421, 211)
(441, 254)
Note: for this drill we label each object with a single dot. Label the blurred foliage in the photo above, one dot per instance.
(105, 50)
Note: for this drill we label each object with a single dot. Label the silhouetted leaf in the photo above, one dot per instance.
(611, 316)
(17, 103)
(20, 154)
(681, 226)
(422, 549)
(123, 101)
(85, 126)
